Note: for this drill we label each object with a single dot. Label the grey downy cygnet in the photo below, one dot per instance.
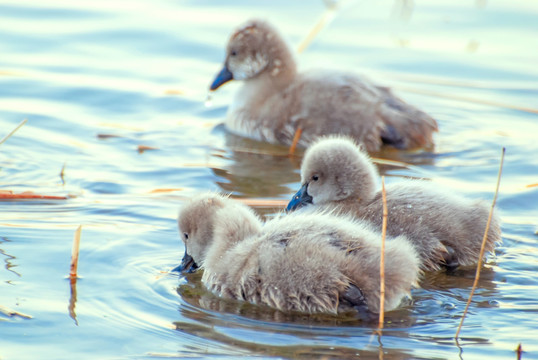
(446, 229)
(315, 263)
(275, 99)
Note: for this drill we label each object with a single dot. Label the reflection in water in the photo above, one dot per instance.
(73, 298)
(256, 169)
(441, 296)
(444, 294)
(285, 335)
(264, 170)
(207, 315)
(8, 265)
(195, 293)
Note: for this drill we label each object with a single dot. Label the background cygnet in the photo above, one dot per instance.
(276, 100)
(446, 229)
(308, 263)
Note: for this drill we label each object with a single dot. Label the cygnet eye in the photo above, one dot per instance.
(233, 53)
(315, 177)
(186, 235)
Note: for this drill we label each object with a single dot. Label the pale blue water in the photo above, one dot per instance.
(140, 71)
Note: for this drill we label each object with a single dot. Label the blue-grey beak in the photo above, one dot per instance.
(223, 77)
(300, 199)
(187, 264)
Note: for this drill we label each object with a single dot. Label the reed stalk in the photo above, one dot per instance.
(74, 253)
(13, 131)
(295, 141)
(519, 351)
(382, 261)
(482, 248)
(326, 18)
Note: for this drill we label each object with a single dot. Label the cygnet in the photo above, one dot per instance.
(276, 100)
(314, 263)
(446, 229)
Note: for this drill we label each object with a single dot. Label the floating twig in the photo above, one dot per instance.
(174, 92)
(28, 195)
(382, 258)
(142, 148)
(482, 248)
(13, 131)
(8, 312)
(108, 136)
(165, 190)
(74, 253)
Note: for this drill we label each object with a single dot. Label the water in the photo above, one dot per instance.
(115, 91)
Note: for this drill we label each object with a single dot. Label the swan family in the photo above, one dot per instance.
(323, 254)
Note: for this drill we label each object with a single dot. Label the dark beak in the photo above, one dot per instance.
(223, 77)
(300, 199)
(187, 264)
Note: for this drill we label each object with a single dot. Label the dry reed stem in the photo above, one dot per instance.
(482, 248)
(326, 18)
(296, 139)
(382, 260)
(398, 164)
(467, 99)
(74, 253)
(390, 162)
(13, 131)
(519, 351)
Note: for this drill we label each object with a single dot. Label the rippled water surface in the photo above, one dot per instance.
(98, 80)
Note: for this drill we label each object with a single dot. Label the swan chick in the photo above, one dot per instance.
(276, 100)
(446, 229)
(314, 263)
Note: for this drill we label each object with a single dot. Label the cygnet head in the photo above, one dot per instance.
(254, 48)
(195, 223)
(334, 169)
(209, 224)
